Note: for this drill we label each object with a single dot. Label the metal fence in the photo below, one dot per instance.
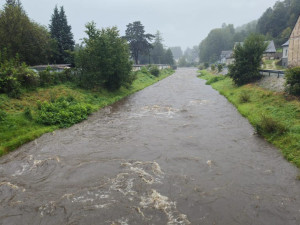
(278, 73)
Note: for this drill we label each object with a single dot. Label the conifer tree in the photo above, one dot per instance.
(61, 32)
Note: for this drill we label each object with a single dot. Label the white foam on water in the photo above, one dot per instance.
(197, 102)
(164, 111)
(160, 202)
(25, 167)
(47, 209)
(12, 186)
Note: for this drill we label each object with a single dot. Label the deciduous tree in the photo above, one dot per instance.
(104, 59)
(248, 58)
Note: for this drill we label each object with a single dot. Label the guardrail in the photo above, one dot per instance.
(160, 66)
(278, 72)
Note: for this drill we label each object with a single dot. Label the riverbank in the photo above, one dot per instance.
(19, 117)
(275, 116)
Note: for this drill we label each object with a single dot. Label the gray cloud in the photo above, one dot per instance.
(182, 23)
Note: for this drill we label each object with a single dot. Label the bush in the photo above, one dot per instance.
(144, 70)
(14, 75)
(247, 60)
(154, 70)
(27, 77)
(63, 112)
(244, 97)
(292, 76)
(206, 65)
(213, 67)
(214, 80)
(220, 68)
(268, 125)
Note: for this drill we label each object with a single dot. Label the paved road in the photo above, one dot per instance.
(175, 153)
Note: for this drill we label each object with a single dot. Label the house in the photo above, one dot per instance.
(294, 46)
(285, 51)
(226, 57)
(270, 52)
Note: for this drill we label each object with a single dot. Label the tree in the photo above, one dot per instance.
(19, 35)
(139, 42)
(104, 59)
(169, 59)
(61, 32)
(182, 62)
(248, 58)
(218, 40)
(177, 52)
(157, 52)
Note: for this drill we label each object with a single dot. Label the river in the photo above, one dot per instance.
(176, 152)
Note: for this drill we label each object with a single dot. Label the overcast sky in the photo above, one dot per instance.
(182, 22)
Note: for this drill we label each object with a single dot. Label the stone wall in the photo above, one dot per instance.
(294, 46)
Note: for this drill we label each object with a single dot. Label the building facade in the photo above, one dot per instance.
(285, 53)
(294, 46)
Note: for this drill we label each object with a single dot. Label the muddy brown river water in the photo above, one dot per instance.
(174, 153)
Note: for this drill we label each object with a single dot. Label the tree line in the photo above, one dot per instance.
(104, 58)
(276, 23)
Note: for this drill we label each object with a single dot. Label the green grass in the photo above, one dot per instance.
(275, 115)
(17, 128)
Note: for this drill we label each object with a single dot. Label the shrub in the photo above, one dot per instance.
(63, 112)
(220, 68)
(270, 126)
(27, 77)
(244, 97)
(214, 80)
(293, 81)
(213, 67)
(154, 70)
(206, 65)
(144, 70)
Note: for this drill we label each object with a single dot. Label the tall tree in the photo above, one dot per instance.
(177, 52)
(157, 52)
(139, 42)
(169, 59)
(19, 35)
(61, 32)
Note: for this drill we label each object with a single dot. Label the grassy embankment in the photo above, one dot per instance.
(18, 128)
(274, 115)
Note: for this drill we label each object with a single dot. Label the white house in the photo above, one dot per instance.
(285, 53)
(226, 57)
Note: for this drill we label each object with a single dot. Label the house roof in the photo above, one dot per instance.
(286, 44)
(270, 49)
